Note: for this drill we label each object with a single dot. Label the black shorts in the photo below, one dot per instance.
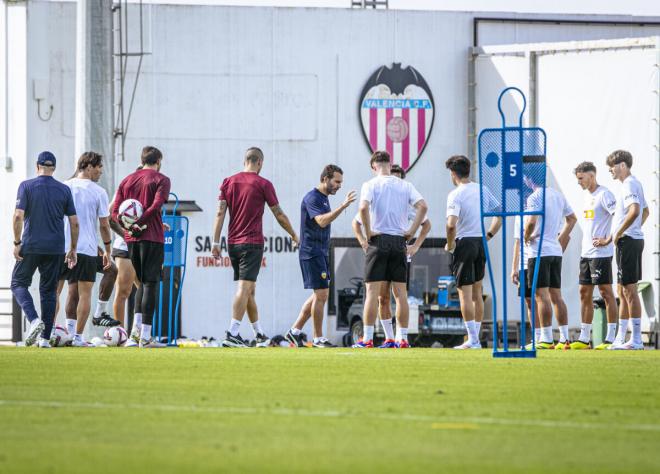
(147, 259)
(85, 270)
(386, 259)
(119, 253)
(549, 272)
(468, 264)
(99, 264)
(408, 266)
(522, 285)
(246, 260)
(629, 260)
(315, 272)
(596, 271)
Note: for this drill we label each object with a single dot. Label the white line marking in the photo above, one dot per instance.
(329, 414)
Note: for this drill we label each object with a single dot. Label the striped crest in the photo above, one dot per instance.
(397, 111)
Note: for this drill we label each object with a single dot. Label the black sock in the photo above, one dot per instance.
(138, 299)
(148, 300)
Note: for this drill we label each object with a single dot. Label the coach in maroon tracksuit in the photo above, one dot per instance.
(145, 238)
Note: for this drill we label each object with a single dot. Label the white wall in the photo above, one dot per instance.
(590, 103)
(286, 80)
(220, 79)
(609, 101)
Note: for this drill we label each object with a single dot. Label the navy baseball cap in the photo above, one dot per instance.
(46, 158)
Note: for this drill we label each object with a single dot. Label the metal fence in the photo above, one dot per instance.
(11, 321)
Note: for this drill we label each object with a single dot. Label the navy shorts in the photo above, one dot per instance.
(316, 273)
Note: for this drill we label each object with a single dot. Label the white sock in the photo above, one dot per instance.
(295, 331)
(78, 337)
(611, 331)
(537, 335)
(472, 332)
(368, 333)
(145, 332)
(256, 327)
(101, 306)
(585, 333)
(137, 322)
(546, 334)
(477, 325)
(318, 339)
(233, 327)
(71, 326)
(387, 328)
(622, 332)
(636, 330)
(401, 334)
(563, 333)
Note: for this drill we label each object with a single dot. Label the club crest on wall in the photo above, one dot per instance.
(397, 111)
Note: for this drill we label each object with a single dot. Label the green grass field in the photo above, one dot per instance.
(420, 410)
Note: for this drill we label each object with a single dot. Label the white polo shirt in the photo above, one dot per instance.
(631, 192)
(91, 203)
(463, 202)
(556, 209)
(599, 207)
(524, 249)
(389, 199)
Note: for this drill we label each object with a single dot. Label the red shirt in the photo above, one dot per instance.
(246, 193)
(152, 189)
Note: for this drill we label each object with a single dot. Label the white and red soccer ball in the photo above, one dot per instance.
(131, 210)
(60, 336)
(115, 336)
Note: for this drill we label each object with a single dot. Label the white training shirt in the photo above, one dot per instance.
(597, 222)
(556, 209)
(524, 249)
(389, 198)
(463, 202)
(120, 244)
(91, 203)
(412, 212)
(631, 192)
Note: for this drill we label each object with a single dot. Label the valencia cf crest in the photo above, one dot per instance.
(397, 110)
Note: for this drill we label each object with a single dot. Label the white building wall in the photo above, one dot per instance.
(591, 98)
(221, 79)
(14, 129)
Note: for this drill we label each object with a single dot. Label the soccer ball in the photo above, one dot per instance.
(115, 336)
(60, 337)
(130, 210)
(98, 342)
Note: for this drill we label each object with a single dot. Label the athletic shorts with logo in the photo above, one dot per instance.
(119, 253)
(246, 260)
(629, 260)
(468, 264)
(596, 271)
(549, 272)
(523, 286)
(386, 259)
(147, 258)
(315, 272)
(85, 269)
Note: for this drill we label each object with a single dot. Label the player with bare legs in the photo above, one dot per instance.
(244, 195)
(464, 241)
(384, 203)
(315, 219)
